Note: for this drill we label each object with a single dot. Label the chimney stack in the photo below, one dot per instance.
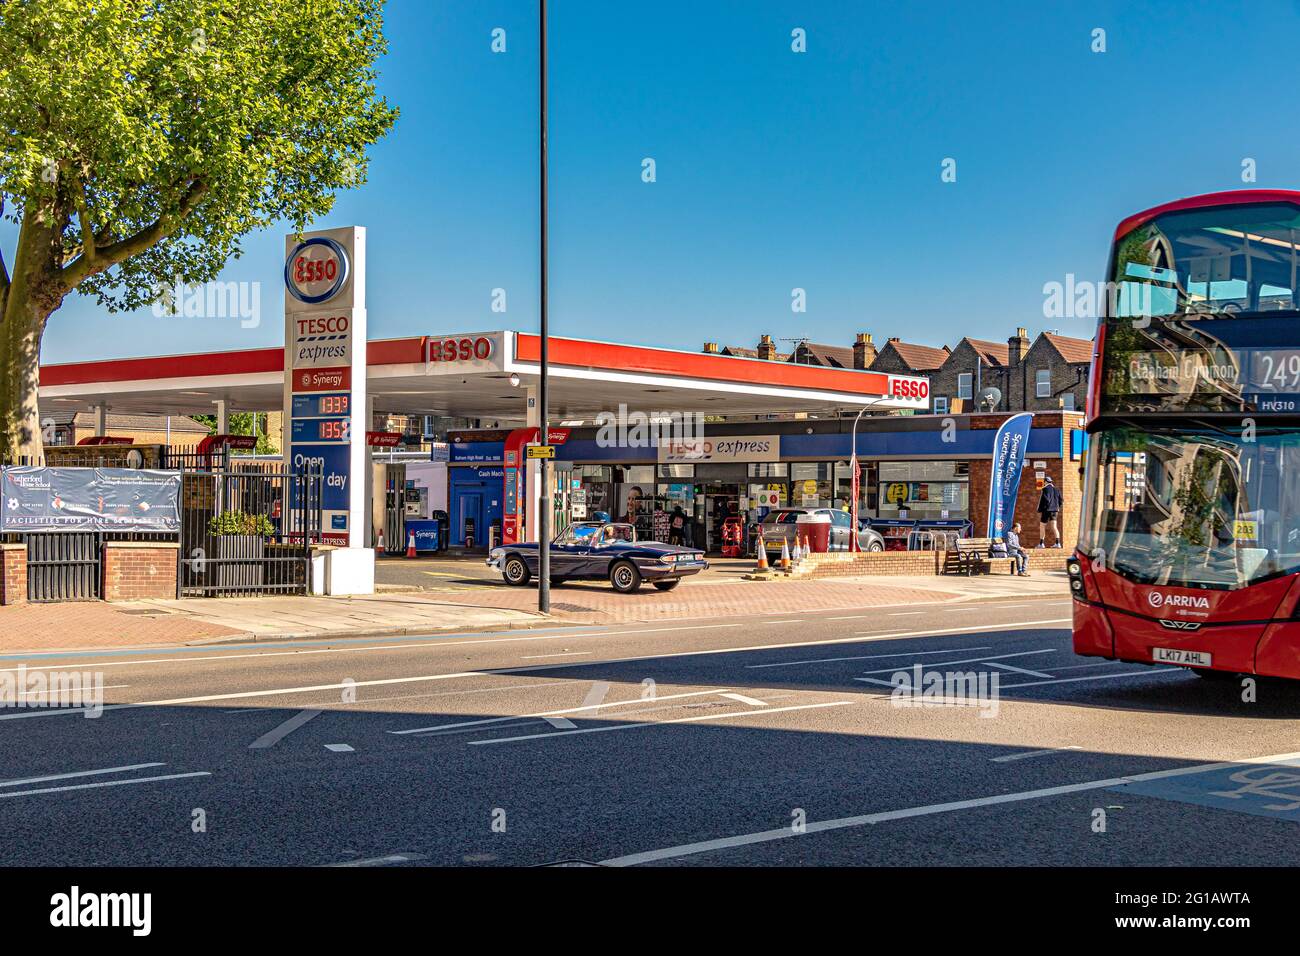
(766, 348)
(1017, 346)
(864, 352)
(711, 348)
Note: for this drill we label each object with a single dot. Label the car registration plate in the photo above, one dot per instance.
(1176, 655)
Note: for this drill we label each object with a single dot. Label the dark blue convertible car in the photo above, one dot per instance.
(601, 549)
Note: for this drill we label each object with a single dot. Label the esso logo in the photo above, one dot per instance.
(1155, 599)
(316, 270)
(460, 349)
(909, 388)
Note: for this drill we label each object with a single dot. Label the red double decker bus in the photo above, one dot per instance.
(1189, 543)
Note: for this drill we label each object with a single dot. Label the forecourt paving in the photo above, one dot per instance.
(650, 745)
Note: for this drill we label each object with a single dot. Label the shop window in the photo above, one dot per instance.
(926, 490)
(768, 469)
(1043, 383)
(677, 471)
(965, 385)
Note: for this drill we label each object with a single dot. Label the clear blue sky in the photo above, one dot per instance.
(775, 170)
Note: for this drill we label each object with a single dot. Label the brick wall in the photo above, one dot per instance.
(1063, 472)
(844, 564)
(13, 574)
(136, 570)
(1066, 377)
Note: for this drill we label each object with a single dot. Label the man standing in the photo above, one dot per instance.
(1015, 551)
(1049, 507)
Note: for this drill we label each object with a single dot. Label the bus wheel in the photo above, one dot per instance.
(516, 572)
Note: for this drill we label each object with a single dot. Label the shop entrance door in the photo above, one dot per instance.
(467, 521)
(721, 501)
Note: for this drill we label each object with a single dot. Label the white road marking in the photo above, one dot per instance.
(968, 660)
(661, 723)
(850, 617)
(752, 701)
(596, 695)
(79, 773)
(42, 693)
(1018, 670)
(383, 860)
(496, 671)
(867, 819)
(105, 783)
(538, 657)
(1079, 667)
(1032, 753)
(273, 737)
(340, 748)
(908, 613)
(248, 694)
(553, 713)
(1157, 672)
(561, 723)
(800, 621)
(861, 657)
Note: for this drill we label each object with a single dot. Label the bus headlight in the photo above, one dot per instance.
(1075, 570)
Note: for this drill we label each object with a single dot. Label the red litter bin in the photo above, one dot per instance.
(815, 531)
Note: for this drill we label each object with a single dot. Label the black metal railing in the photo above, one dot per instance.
(246, 532)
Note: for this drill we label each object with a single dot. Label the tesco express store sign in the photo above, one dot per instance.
(720, 448)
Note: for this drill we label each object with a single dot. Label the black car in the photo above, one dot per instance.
(601, 549)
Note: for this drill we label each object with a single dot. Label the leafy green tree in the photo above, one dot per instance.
(243, 423)
(144, 138)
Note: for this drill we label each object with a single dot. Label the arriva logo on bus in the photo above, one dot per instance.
(1158, 600)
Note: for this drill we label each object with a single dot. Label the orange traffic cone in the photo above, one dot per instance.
(785, 554)
(410, 545)
(762, 554)
(379, 545)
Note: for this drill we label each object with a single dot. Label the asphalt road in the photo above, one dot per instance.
(752, 741)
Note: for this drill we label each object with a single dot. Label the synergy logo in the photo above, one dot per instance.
(1159, 600)
(316, 270)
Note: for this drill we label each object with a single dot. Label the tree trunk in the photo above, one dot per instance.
(20, 350)
(35, 291)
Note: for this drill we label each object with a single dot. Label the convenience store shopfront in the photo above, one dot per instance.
(914, 472)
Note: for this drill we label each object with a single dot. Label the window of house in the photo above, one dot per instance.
(1043, 383)
(941, 404)
(1067, 401)
(965, 384)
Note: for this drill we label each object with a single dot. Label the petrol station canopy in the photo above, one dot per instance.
(469, 375)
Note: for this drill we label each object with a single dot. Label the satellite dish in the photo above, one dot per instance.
(988, 399)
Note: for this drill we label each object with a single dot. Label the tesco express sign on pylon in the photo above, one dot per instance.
(316, 270)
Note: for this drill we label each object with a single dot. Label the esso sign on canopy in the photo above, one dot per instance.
(913, 388)
(316, 270)
(463, 348)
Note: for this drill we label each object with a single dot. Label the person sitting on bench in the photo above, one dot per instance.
(1015, 551)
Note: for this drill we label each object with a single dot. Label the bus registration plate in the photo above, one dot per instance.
(1176, 655)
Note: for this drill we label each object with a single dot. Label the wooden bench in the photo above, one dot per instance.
(971, 556)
